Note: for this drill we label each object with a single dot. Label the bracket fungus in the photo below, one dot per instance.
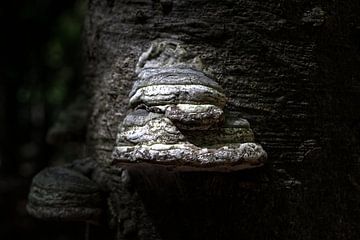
(178, 116)
(67, 193)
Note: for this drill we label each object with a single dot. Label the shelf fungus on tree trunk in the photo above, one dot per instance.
(177, 116)
(68, 193)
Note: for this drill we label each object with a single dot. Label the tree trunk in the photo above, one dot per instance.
(290, 67)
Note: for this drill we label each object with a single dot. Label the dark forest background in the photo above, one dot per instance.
(40, 73)
(43, 116)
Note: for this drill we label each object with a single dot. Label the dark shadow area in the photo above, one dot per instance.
(40, 75)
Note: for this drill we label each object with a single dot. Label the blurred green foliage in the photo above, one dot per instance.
(66, 41)
(57, 64)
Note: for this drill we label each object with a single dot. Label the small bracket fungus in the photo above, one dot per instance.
(177, 116)
(67, 193)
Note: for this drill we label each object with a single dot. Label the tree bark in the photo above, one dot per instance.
(291, 68)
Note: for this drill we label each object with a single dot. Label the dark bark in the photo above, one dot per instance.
(291, 68)
(288, 68)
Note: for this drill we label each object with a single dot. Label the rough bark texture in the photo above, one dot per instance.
(290, 67)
